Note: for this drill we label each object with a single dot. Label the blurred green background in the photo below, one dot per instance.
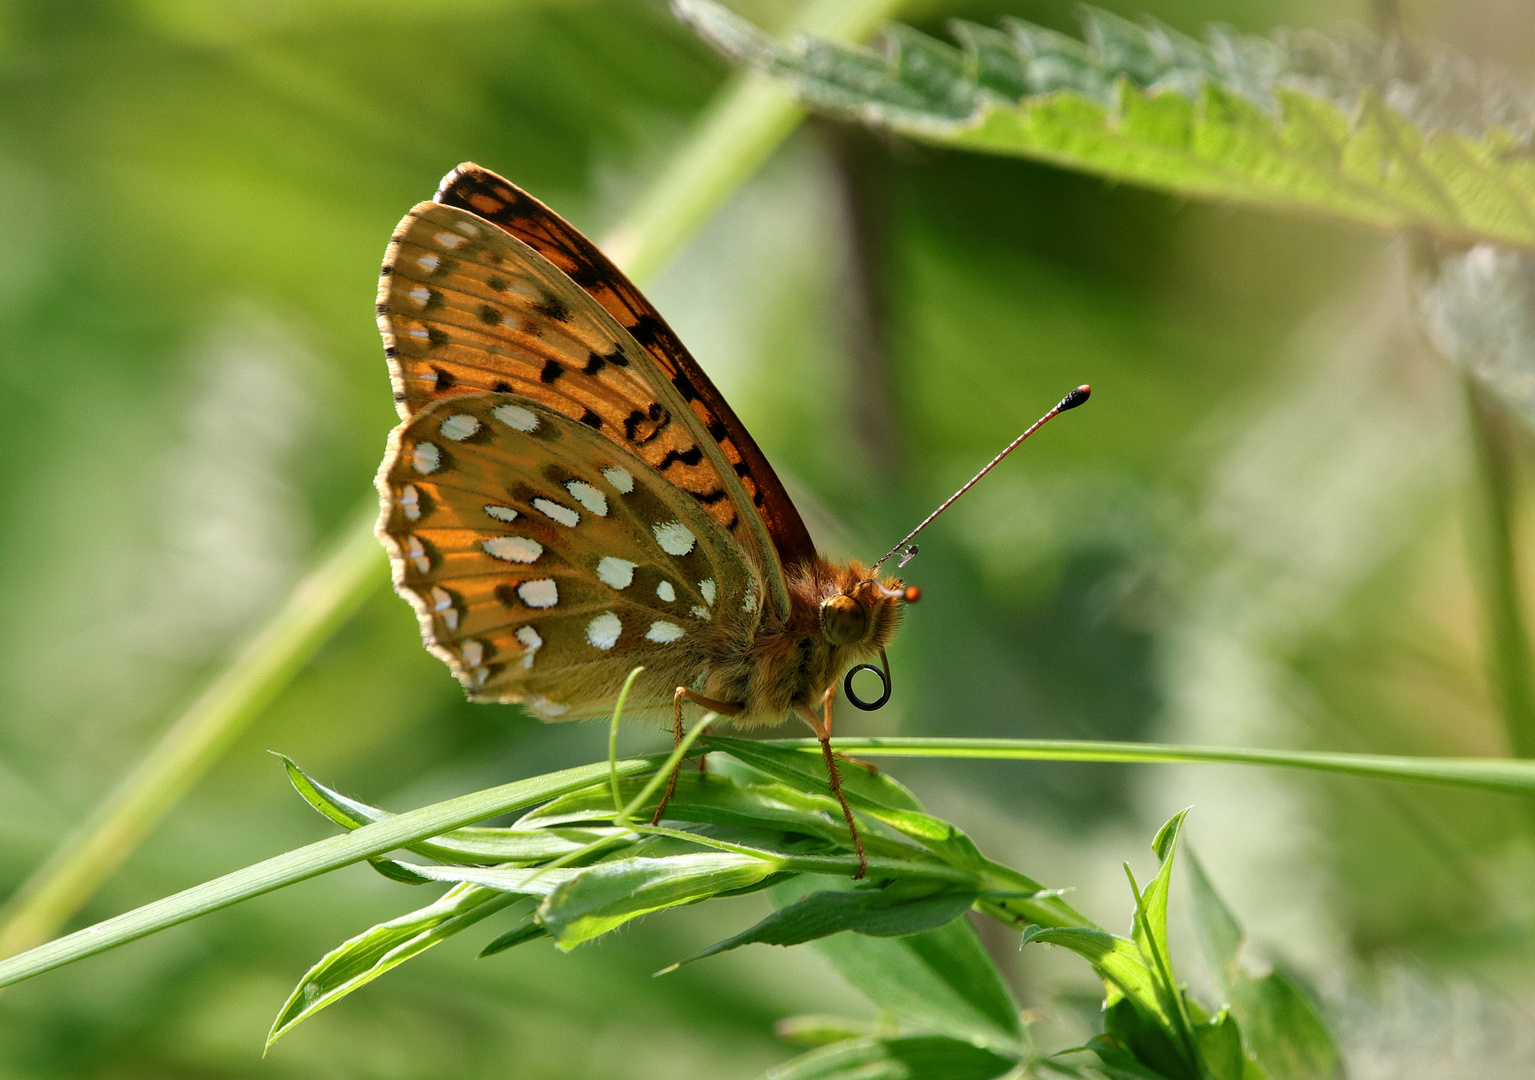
(1253, 535)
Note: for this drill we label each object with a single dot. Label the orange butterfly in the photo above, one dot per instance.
(568, 496)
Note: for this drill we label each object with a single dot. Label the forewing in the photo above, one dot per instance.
(520, 214)
(465, 306)
(545, 562)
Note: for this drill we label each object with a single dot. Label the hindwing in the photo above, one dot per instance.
(545, 561)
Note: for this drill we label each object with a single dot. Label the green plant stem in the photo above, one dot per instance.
(1508, 641)
(320, 603)
(1498, 775)
(750, 118)
(307, 862)
(1486, 774)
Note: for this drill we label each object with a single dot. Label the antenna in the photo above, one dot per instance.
(908, 550)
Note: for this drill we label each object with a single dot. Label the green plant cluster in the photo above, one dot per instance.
(581, 865)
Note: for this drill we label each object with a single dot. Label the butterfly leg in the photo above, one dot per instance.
(724, 708)
(822, 728)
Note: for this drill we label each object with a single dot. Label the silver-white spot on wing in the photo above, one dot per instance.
(421, 294)
(442, 607)
(420, 334)
(516, 417)
(674, 537)
(531, 643)
(459, 427)
(512, 548)
(555, 512)
(410, 502)
(500, 513)
(415, 551)
(429, 263)
(539, 593)
(472, 652)
(700, 612)
(619, 478)
(544, 707)
(588, 496)
(662, 632)
(425, 458)
(603, 631)
(618, 573)
(448, 240)
(707, 587)
(666, 592)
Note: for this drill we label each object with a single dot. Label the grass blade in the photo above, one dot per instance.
(1500, 775)
(304, 863)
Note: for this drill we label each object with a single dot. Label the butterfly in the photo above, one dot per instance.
(568, 497)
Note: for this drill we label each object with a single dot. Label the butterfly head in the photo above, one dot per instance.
(861, 611)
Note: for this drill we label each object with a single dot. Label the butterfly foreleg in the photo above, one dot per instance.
(724, 708)
(822, 727)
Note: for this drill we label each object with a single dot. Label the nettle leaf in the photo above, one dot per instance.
(1386, 134)
(923, 1057)
(359, 960)
(899, 908)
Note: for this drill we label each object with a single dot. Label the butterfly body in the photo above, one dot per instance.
(568, 497)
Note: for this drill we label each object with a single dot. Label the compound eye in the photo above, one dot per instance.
(843, 620)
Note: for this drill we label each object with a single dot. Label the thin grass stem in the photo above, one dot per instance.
(1500, 775)
(1496, 567)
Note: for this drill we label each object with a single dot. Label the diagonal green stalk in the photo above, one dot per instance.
(749, 119)
(1499, 775)
(1494, 546)
(320, 603)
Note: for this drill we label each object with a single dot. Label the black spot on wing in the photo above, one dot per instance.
(594, 364)
(552, 371)
(497, 283)
(647, 329)
(488, 315)
(445, 379)
(684, 387)
(554, 308)
(717, 430)
(691, 456)
(436, 336)
(502, 387)
(591, 420)
(507, 595)
(708, 498)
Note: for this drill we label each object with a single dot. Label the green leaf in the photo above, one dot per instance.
(471, 845)
(1298, 123)
(814, 1029)
(1118, 961)
(359, 960)
(899, 908)
(924, 1057)
(1220, 1044)
(806, 771)
(1283, 1030)
(1220, 935)
(607, 895)
(518, 935)
(939, 980)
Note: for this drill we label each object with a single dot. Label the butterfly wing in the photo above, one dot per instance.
(520, 214)
(465, 306)
(545, 561)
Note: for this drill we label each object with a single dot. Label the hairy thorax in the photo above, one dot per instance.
(790, 663)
